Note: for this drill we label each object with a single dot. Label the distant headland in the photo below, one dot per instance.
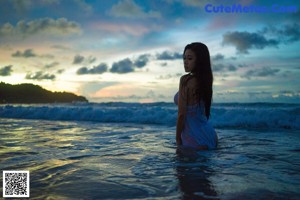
(30, 93)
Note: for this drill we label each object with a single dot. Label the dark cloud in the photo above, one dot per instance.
(164, 64)
(21, 6)
(232, 68)
(40, 76)
(128, 65)
(169, 76)
(263, 72)
(218, 57)
(289, 33)
(243, 65)
(286, 92)
(193, 3)
(296, 16)
(129, 9)
(83, 70)
(6, 71)
(48, 26)
(101, 68)
(60, 71)
(243, 41)
(123, 66)
(259, 94)
(142, 60)
(26, 54)
(167, 55)
(29, 53)
(78, 59)
(218, 67)
(223, 68)
(91, 59)
(53, 64)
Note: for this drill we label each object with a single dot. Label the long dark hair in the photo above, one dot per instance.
(203, 73)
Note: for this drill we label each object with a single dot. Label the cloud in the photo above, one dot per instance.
(193, 3)
(169, 76)
(128, 65)
(21, 6)
(6, 71)
(167, 55)
(91, 59)
(44, 26)
(218, 67)
(129, 9)
(88, 9)
(218, 57)
(29, 53)
(61, 47)
(223, 68)
(53, 64)
(231, 68)
(263, 72)
(164, 64)
(287, 96)
(129, 29)
(49, 56)
(26, 54)
(99, 69)
(142, 60)
(288, 33)
(78, 59)
(40, 76)
(60, 71)
(243, 41)
(123, 66)
(45, 2)
(296, 16)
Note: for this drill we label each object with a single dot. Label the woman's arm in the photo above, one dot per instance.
(182, 102)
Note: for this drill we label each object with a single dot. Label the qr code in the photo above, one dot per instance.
(16, 184)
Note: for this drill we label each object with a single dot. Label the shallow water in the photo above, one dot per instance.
(91, 160)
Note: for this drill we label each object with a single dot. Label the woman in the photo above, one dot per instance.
(194, 100)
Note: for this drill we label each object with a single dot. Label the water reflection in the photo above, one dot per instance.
(193, 175)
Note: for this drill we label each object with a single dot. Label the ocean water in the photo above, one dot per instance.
(128, 151)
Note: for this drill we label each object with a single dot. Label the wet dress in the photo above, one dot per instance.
(197, 130)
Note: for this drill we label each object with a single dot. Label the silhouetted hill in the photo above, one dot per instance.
(29, 93)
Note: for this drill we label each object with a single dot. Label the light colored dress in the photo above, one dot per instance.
(197, 130)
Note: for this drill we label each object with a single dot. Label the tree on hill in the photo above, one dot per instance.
(29, 93)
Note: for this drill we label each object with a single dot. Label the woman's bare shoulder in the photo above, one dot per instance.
(184, 77)
(192, 82)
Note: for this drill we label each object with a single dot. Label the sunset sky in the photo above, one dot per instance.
(131, 50)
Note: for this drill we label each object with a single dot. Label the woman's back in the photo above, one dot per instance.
(190, 90)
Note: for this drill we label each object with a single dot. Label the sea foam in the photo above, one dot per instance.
(233, 115)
